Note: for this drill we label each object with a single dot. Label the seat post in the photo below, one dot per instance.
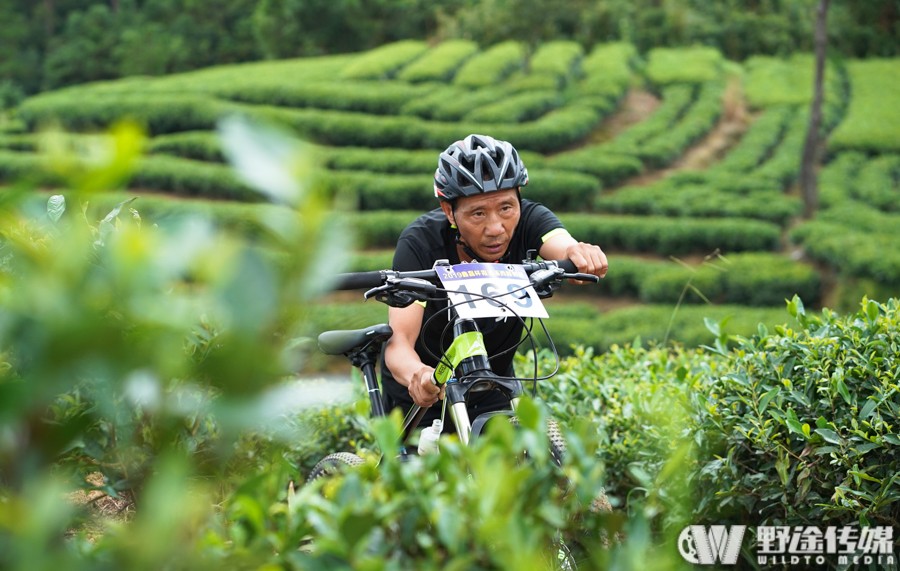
(365, 359)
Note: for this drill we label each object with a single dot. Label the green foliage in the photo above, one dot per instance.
(491, 66)
(792, 427)
(879, 183)
(752, 279)
(869, 123)
(794, 399)
(146, 352)
(610, 64)
(516, 108)
(670, 236)
(667, 198)
(688, 65)
(440, 62)
(384, 61)
(558, 59)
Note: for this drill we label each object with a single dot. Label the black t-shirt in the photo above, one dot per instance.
(430, 238)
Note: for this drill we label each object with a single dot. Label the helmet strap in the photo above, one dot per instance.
(465, 247)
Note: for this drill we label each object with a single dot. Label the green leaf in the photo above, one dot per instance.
(842, 390)
(266, 159)
(867, 409)
(793, 423)
(767, 398)
(892, 438)
(829, 435)
(872, 311)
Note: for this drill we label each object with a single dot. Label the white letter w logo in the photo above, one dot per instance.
(697, 545)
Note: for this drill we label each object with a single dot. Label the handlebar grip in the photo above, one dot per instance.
(359, 280)
(567, 266)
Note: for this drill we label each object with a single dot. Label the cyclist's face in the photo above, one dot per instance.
(486, 222)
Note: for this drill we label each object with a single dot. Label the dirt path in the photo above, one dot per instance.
(711, 148)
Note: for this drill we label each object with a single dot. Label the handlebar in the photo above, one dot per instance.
(374, 279)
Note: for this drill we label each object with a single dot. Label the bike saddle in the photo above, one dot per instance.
(344, 341)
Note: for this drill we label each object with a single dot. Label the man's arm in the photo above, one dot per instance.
(401, 358)
(588, 258)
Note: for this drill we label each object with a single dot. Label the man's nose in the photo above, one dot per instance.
(494, 226)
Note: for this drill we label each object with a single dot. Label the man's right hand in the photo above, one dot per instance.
(423, 390)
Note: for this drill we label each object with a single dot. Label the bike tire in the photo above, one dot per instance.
(555, 439)
(333, 464)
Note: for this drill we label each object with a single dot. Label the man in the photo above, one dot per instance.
(482, 218)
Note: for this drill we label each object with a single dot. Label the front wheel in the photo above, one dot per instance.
(333, 464)
(555, 440)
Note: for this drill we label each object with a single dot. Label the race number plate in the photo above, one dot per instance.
(490, 290)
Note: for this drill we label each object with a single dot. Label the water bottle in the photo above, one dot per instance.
(428, 440)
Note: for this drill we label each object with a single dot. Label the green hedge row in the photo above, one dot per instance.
(878, 184)
(609, 168)
(783, 166)
(492, 65)
(684, 65)
(525, 106)
(668, 198)
(452, 103)
(838, 177)
(871, 121)
(551, 132)
(185, 177)
(657, 323)
(673, 236)
(757, 143)
(78, 112)
(853, 176)
(382, 98)
(557, 59)
(384, 61)
(610, 64)
(856, 240)
(197, 145)
(558, 190)
(749, 278)
(439, 63)
(177, 176)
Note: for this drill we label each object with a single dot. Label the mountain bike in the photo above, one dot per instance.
(500, 291)
(471, 292)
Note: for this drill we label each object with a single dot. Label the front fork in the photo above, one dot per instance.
(463, 424)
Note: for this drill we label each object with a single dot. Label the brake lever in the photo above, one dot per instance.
(581, 277)
(402, 292)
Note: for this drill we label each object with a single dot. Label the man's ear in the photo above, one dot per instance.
(448, 212)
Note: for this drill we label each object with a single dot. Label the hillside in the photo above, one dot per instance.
(680, 163)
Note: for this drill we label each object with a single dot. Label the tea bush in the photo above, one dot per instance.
(683, 65)
(491, 66)
(793, 425)
(439, 63)
(384, 61)
(868, 126)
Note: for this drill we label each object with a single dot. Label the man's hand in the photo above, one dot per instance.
(588, 258)
(423, 390)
